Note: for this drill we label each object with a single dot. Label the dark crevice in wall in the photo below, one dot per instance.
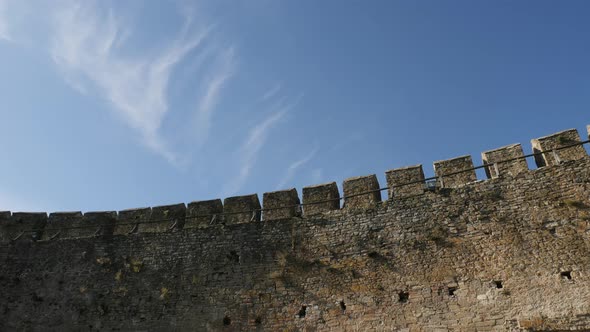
(403, 297)
(452, 291)
(302, 311)
(342, 305)
(233, 256)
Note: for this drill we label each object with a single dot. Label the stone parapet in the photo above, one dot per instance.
(130, 221)
(454, 172)
(326, 193)
(398, 179)
(367, 186)
(101, 223)
(241, 209)
(63, 225)
(509, 168)
(549, 148)
(168, 217)
(204, 213)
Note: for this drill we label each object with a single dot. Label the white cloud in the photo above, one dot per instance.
(4, 33)
(210, 96)
(248, 152)
(271, 92)
(86, 46)
(257, 136)
(292, 169)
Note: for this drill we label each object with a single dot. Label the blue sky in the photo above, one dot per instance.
(108, 105)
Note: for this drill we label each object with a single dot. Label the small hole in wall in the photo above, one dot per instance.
(498, 284)
(233, 256)
(403, 297)
(342, 305)
(373, 254)
(552, 231)
(258, 321)
(302, 311)
(452, 291)
(566, 275)
(226, 320)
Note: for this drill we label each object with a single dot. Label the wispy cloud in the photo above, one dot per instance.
(292, 169)
(256, 138)
(248, 152)
(213, 86)
(271, 92)
(4, 33)
(86, 46)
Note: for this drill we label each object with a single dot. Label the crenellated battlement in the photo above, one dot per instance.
(449, 252)
(362, 192)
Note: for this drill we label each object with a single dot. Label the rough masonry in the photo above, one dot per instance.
(509, 253)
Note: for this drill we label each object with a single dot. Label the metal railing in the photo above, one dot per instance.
(429, 184)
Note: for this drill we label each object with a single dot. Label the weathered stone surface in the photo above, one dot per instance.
(241, 209)
(327, 193)
(548, 144)
(170, 218)
(63, 225)
(200, 213)
(354, 186)
(99, 223)
(398, 181)
(132, 220)
(588, 130)
(22, 226)
(278, 199)
(5, 230)
(509, 168)
(446, 169)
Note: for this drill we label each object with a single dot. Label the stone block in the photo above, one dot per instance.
(5, 232)
(132, 220)
(63, 225)
(200, 213)
(166, 218)
(399, 179)
(23, 226)
(98, 223)
(454, 172)
(547, 146)
(241, 209)
(281, 204)
(354, 186)
(507, 168)
(588, 130)
(326, 193)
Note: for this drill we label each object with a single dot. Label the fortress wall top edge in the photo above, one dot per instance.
(511, 152)
(447, 171)
(281, 204)
(360, 192)
(547, 146)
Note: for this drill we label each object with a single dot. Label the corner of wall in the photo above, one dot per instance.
(551, 148)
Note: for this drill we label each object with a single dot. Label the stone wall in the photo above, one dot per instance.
(508, 253)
